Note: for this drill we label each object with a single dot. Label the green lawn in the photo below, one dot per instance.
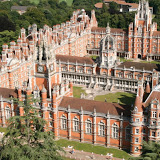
(94, 57)
(155, 62)
(69, 2)
(3, 129)
(125, 60)
(95, 149)
(77, 91)
(119, 97)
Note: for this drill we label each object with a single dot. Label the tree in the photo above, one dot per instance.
(26, 139)
(104, 8)
(150, 151)
(114, 7)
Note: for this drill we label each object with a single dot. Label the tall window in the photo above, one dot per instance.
(137, 131)
(128, 133)
(115, 131)
(101, 129)
(75, 124)
(136, 140)
(50, 114)
(154, 114)
(136, 149)
(50, 124)
(119, 46)
(63, 122)
(88, 126)
(8, 112)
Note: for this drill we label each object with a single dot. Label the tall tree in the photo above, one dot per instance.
(26, 139)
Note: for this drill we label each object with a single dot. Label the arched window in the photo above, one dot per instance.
(101, 129)
(63, 122)
(75, 124)
(88, 126)
(8, 112)
(115, 130)
(128, 133)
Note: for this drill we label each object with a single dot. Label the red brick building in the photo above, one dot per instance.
(47, 62)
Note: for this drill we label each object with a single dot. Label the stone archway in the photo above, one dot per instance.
(139, 56)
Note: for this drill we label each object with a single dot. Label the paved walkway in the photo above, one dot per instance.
(81, 155)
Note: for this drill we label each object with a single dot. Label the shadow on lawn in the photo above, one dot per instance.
(127, 100)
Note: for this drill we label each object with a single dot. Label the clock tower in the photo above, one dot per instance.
(46, 69)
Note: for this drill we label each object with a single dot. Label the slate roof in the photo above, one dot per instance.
(74, 59)
(90, 105)
(7, 93)
(113, 30)
(140, 66)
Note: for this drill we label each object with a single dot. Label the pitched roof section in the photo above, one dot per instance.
(113, 30)
(155, 94)
(156, 33)
(152, 96)
(98, 5)
(90, 105)
(19, 8)
(74, 59)
(140, 66)
(7, 93)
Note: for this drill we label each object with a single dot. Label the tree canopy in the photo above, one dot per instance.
(26, 139)
(150, 151)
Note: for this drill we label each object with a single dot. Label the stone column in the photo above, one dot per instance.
(81, 123)
(12, 108)
(76, 66)
(108, 130)
(121, 131)
(94, 127)
(3, 114)
(69, 122)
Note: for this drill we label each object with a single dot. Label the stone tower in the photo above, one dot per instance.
(108, 52)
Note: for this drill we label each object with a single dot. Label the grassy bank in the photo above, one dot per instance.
(95, 149)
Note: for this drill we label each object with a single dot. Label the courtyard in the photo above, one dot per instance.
(124, 98)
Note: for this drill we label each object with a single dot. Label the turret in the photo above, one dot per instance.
(148, 89)
(23, 35)
(93, 22)
(4, 56)
(136, 124)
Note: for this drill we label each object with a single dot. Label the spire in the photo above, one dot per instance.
(108, 29)
(148, 89)
(138, 104)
